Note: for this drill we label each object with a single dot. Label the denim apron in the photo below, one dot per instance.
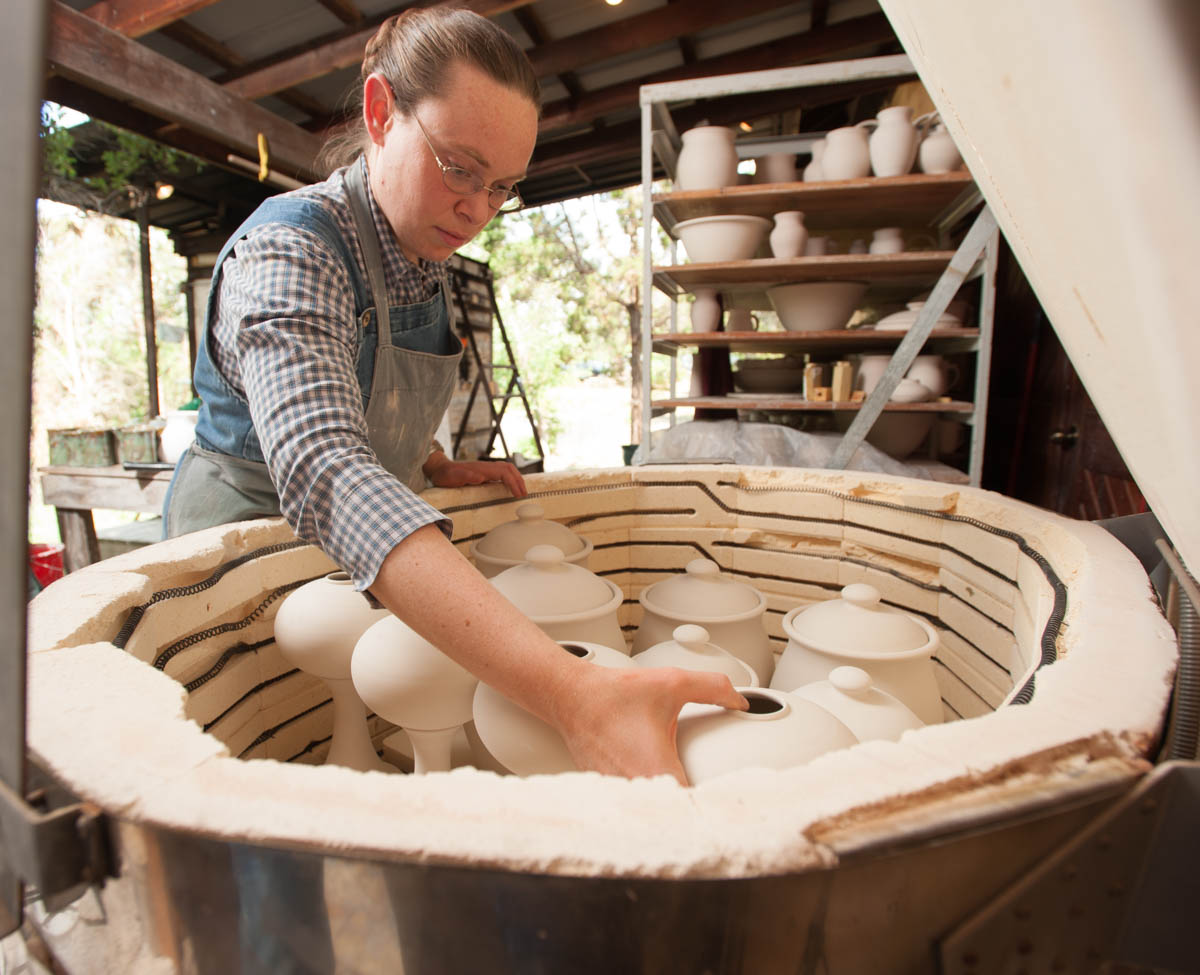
(406, 373)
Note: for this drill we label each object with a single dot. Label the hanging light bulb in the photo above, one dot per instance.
(613, 3)
(745, 126)
(163, 191)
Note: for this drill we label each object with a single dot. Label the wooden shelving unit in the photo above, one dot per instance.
(921, 204)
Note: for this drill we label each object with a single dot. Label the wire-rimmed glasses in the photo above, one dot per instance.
(459, 180)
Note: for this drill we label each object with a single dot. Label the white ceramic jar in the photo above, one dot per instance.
(857, 630)
(887, 240)
(780, 731)
(522, 743)
(708, 159)
(316, 629)
(731, 611)
(567, 601)
(691, 649)
(937, 152)
(506, 544)
(775, 167)
(789, 235)
(706, 310)
(847, 153)
(813, 172)
(893, 144)
(851, 697)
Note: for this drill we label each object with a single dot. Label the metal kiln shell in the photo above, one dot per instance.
(1015, 592)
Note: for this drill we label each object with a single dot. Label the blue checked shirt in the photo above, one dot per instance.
(285, 338)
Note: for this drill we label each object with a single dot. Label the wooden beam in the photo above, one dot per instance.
(343, 10)
(334, 51)
(81, 50)
(786, 52)
(136, 18)
(641, 31)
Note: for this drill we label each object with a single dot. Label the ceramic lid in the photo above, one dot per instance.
(868, 711)
(546, 585)
(691, 649)
(859, 623)
(702, 592)
(513, 539)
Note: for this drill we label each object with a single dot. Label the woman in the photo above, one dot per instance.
(309, 411)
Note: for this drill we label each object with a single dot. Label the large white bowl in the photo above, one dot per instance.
(724, 238)
(897, 434)
(816, 306)
(782, 375)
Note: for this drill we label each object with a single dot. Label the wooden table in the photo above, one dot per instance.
(75, 491)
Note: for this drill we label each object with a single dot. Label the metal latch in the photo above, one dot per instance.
(51, 849)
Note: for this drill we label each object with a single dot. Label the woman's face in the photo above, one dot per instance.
(478, 125)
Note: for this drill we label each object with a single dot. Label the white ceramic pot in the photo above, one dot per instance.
(816, 306)
(708, 159)
(407, 680)
(813, 172)
(938, 153)
(740, 320)
(857, 630)
(870, 713)
(780, 731)
(567, 601)
(731, 611)
(691, 648)
(706, 310)
(177, 435)
(847, 153)
(910, 390)
(316, 629)
(933, 372)
(789, 235)
(505, 545)
(722, 238)
(819, 246)
(893, 144)
(887, 240)
(775, 167)
(522, 743)
(870, 370)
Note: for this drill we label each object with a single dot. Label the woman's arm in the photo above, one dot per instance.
(620, 722)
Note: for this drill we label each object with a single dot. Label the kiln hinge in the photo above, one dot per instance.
(49, 842)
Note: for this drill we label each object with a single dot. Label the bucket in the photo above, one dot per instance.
(46, 561)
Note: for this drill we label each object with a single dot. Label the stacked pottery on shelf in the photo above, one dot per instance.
(708, 159)
(937, 152)
(893, 144)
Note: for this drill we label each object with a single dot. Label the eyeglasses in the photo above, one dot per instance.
(459, 180)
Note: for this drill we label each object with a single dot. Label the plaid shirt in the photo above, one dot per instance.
(285, 338)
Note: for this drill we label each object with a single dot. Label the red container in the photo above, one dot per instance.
(46, 560)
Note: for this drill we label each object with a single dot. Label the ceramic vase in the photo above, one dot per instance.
(708, 159)
(775, 167)
(813, 173)
(522, 743)
(893, 144)
(316, 629)
(177, 435)
(937, 152)
(789, 235)
(706, 310)
(887, 240)
(858, 630)
(407, 680)
(847, 153)
(691, 649)
(779, 731)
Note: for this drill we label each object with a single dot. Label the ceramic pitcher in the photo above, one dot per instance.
(893, 144)
(937, 152)
(847, 153)
(813, 172)
(708, 159)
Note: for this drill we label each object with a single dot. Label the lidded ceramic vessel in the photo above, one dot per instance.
(506, 544)
(779, 731)
(407, 680)
(567, 601)
(689, 648)
(519, 741)
(730, 610)
(857, 630)
(316, 629)
(851, 697)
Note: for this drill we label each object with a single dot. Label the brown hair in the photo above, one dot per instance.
(415, 49)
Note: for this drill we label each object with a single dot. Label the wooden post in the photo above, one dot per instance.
(143, 212)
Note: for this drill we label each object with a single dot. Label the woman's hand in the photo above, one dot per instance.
(444, 472)
(623, 722)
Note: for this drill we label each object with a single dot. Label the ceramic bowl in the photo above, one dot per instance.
(896, 434)
(857, 630)
(506, 544)
(816, 306)
(519, 741)
(902, 321)
(768, 375)
(722, 238)
(731, 611)
(779, 731)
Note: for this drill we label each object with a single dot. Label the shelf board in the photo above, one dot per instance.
(842, 340)
(794, 401)
(915, 268)
(868, 203)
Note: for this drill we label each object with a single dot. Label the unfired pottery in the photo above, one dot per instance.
(893, 144)
(813, 172)
(789, 235)
(708, 159)
(851, 697)
(506, 544)
(857, 630)
(847, 153)
(691, 648)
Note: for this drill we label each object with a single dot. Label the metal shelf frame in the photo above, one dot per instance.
(975, 257)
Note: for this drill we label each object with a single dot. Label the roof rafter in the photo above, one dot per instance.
(136, 18)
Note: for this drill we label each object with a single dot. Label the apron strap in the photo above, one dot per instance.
(360, 208)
